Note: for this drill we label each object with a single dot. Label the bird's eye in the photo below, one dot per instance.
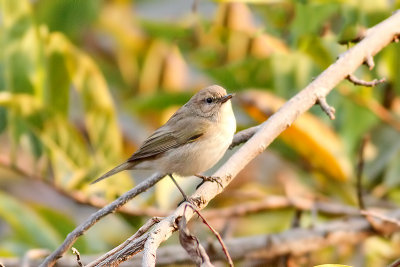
(209, 100)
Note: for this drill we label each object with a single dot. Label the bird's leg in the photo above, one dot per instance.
(209, 179)
(185, 197)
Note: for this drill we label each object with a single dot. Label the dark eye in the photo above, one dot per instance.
(209, 100)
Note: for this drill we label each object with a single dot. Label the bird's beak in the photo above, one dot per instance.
(225, 98)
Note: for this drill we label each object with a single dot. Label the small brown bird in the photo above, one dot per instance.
(192, 141)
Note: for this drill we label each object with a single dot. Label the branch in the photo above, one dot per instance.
(280, 202)
(243, 136)
(330, 111)
(357, 81)
(375, 39)
(83, 227)
(116, 253)
(295, 241)
(224, 249)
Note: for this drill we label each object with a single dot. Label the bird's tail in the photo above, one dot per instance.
(124, 166)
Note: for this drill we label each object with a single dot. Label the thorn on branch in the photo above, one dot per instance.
(330, 111)
(369, 61)
(357, 81)
(78, 256)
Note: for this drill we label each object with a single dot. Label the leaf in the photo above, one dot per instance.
(310, 18)
(192, 245)
(61, 222)
(308, 136)
(28, 226)
(67, 16)
(385, 142)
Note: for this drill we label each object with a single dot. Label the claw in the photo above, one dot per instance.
(209, 179)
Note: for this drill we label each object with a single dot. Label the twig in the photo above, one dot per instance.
(350, 230)
(280, 202)
(330, 111)
(78, 256)
(192, 245)
(357, 81)
(243, 136)
(360, 169)
(83, 227)
(381, 216)
(396, 263)
(221, 242)
(114, 253)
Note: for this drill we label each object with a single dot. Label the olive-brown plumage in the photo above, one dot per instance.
(192, 141)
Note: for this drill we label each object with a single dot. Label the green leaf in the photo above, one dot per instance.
(27, 225)
(61, 222)
(158, 101)
(59, 81)
(310, 18)
(386, 141)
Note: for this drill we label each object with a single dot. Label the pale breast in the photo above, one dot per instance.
(198, 156)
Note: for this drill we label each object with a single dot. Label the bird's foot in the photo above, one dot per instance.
(209, 179)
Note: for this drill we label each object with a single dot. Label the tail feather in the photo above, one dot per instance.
(124, 166)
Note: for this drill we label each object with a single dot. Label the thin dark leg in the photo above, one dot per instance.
(180, 189)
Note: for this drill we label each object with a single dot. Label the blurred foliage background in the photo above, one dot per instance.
(84, 82)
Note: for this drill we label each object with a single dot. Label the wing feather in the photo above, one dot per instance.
(164, 139)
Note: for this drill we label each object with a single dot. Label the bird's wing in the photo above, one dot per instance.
(164, 138)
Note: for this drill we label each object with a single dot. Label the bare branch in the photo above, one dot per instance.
(83, 227)
(192, 245)
(382, 217)
(396, 263)
(357, 81)
(330, 111)
(114, 254)
(296, 241)
(280, 202)
(224, 249)
(243, 136)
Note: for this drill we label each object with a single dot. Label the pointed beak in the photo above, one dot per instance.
(225, 98)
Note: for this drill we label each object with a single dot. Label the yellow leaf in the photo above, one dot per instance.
(311, 138)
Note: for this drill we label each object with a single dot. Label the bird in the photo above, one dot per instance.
(192, 141)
